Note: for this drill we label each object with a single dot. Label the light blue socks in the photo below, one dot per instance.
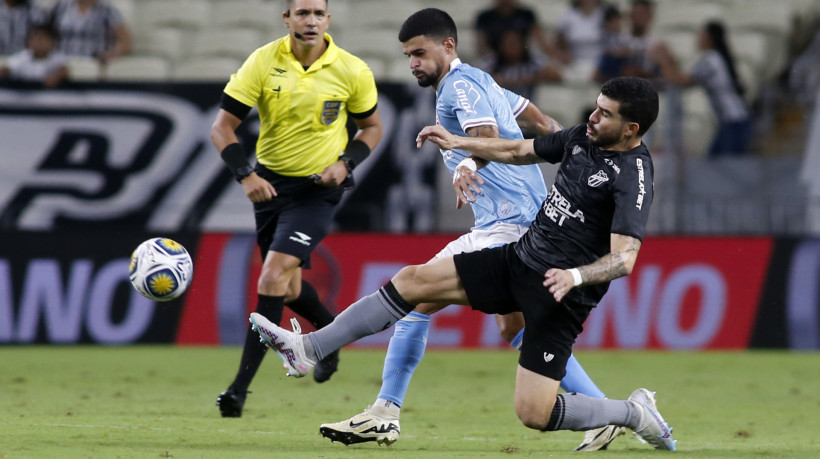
(404, 353)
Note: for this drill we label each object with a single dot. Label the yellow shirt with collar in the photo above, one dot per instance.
(303, 113)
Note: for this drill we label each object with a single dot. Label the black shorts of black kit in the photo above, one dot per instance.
(498, 282)
(298, 218)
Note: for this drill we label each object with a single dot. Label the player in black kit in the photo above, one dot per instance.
(588, 233)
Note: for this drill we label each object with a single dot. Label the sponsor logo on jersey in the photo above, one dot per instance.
(612, 164)
(557, 208)
(598, 179)
(301, 238)
(576, 149)
(280, 73)
(330, 111)
(641, 185)
(467, 96)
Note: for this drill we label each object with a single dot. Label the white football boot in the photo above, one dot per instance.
(376, 423)
(652, 428)
(289, 346)
(598, 439)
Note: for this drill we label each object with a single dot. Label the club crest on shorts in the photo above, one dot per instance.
(330, 111)
(598, 179)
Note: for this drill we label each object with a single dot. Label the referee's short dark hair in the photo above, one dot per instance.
(430, 22)
(637, 98)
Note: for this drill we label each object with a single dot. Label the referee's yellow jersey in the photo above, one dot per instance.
(303, 112)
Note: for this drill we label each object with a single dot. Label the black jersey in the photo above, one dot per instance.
(596, 193)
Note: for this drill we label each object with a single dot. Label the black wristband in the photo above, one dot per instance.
(356, 152)
(237, 162)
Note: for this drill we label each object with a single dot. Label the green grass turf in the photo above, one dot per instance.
(148, 402)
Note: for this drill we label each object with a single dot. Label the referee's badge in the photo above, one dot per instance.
(330, 111)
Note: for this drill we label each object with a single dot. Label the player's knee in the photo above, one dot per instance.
(532, 414)
(274, 279)
(408, 280)
(531, 419)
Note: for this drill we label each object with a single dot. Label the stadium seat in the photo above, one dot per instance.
(698, 132)
(83, 68)
(753, 47)
(138, 68)
(683, 44)
(127, 9)
(237, 43)
(549, 12)
(567, 104)
(762, 15)
(189, 14)
(247, 14)
(369, 14)
(398, 70)
(695, 102)
(364, 42)
(205, 69)
(164, 42)
(686, 15)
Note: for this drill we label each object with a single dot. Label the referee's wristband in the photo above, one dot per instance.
(237, 162)
(576, 277)
(355, 152)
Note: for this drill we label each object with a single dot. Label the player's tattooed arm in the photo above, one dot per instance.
(533, 120)
(485, 131)
(617, 263)
(466, 181)
(508, 151)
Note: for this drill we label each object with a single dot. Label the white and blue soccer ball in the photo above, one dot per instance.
(161, 269)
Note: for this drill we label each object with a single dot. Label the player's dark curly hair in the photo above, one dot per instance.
(638, 100)
(430, 22)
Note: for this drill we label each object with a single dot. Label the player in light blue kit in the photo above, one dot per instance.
(468, 102)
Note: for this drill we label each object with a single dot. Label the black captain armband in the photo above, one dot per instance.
(356, 152)
(234, 157)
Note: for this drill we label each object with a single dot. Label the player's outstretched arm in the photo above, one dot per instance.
(498, 150)
(532, 119)
(617, 263)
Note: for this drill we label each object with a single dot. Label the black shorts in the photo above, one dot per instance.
(498, 282)
(298, 218)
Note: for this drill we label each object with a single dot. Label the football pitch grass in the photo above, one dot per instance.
(158, 401)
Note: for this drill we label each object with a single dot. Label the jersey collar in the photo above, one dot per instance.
(327, 58)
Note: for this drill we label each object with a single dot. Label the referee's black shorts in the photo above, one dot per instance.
(298, 218)
(498, 282)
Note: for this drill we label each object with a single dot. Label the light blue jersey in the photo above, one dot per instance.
(469, 97)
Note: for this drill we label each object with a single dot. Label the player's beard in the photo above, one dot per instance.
(603, 140)
(428, 79)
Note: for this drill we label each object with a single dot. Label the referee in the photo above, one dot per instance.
(304, 87)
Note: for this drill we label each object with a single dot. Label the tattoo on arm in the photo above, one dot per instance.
(612, 265)
(482, 131)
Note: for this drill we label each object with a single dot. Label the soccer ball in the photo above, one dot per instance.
(161, 269)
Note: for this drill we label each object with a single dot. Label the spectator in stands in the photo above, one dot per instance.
(91, 28)
(715, 71)
(578, 37)
(518, 70)
(615, 45)
(16, 17)
(645, 47)
(39, 62)
(506, 15)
